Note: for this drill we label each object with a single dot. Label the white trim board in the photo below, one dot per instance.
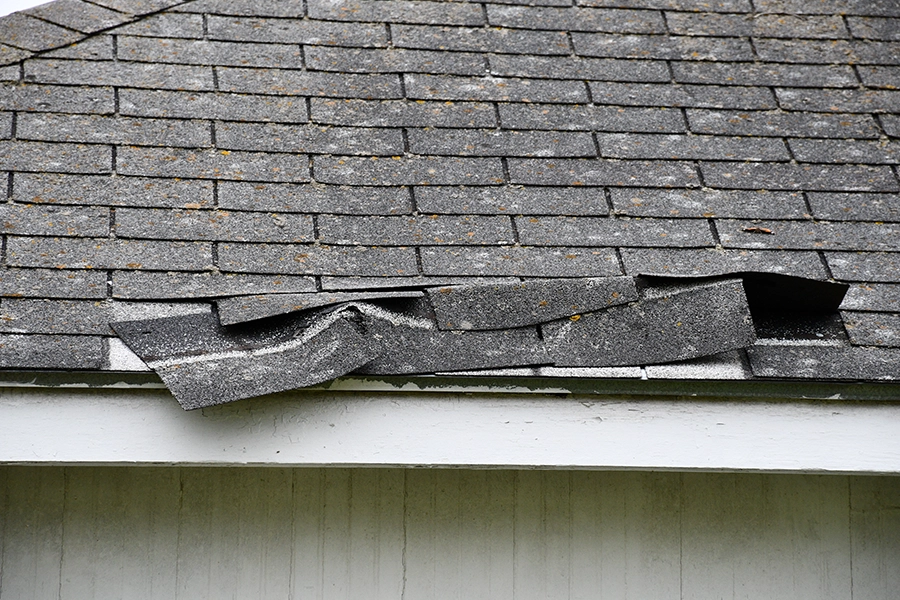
(128, 427)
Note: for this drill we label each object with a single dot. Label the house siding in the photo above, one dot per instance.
(271, 532)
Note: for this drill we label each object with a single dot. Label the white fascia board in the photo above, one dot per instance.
(475, 430)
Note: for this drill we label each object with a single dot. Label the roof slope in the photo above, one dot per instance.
(159, 155)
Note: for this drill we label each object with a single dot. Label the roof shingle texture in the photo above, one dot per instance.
(159, 154)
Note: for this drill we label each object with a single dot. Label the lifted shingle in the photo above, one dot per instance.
(240, 309)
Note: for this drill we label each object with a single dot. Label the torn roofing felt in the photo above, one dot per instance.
(589, 322)
(261, 163)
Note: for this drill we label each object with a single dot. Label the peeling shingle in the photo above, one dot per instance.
(684, 323)
(501, 306)
(240, 309)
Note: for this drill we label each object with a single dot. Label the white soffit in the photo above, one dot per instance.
(538, 430)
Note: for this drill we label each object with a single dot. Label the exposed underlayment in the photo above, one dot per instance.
(617, 189)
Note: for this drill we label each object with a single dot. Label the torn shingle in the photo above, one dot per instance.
(503, 306)
(666, 325)
(240, 309)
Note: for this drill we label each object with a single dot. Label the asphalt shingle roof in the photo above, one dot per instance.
(159, 155)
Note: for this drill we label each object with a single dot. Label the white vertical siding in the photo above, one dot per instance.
(333, 534)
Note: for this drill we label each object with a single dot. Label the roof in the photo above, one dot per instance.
(637, 189)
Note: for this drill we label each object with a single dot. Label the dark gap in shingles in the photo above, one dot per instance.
(610, 207)
(109, 284)
(308, 103)
(405, 135)
(215, 75)
(484, 15)
(419, 267)
(3, 250)
(587, 88)
(505, 163)
(413, 203)
(671, 72)
(403, 85)
(809, 209)
(753, 49)
(515, 229)
(665, 20)
(715, 232)
(315, 224)
(896, 173)
(113, 153)
(21, 71)
(847, 26)
(318, 282)
(13, 127)
(880, 125)
(486, 64)
(309, 168)
(389, 36)
(116, 100)
(214, 253)
(621, 261)
(855, 68)
(9, 186)
(787, 148)
(303, 57)
(497, 115)
(115, 47)
(305, 8)
(215, 191)
(571, 43)
(596, 143)
(212, 133)
(112, 221)
(684, 120)
(205, 21)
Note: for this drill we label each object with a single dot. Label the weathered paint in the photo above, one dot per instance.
(339, 534)
(320, 428)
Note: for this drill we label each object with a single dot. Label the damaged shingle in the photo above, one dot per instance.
(241, 309)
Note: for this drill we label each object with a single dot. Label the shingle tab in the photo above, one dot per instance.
(577, 19)
(756, 24)
(513, 200)
(276, 137)
(474, 142)
(356, 60)
(52, 283)
(661, 47)
(242, 309)
(402, 113)
(602, 172)
(864, 266)
(874, 28)
(51, 352)
(155, 285)
(780, 124)
(857, 101)
(47, 188)
(418, 231)
(267, 8)
(55, 158)
(825, 362)
(94, 253)
(398, 11)
(227, 107)
(709, 262)
(590, 118)
(166, 25)
(701, 5)
(855, 207)
(672, 325)
(297, 31)
(90, 48)
(845, 151)
(668, 96)
(774, 176)
(847, 7)
(164, 224)
(78, 15)
(828, 51)
(282, 82)
(873, 329)
(55, 98)
(564, 67)
(212, 164)
(23, 31)
(493, 89)
(493, 39)
(94, 129)
(593, 231)
(808, 235)
(10, 55)
(408, 171)
(707, 203)
(872, 297)
(310, 198)
(204, 52)
(317, 260)
(685, 147)
(767, 74)
(122, 74)
(521, 261)
(43, 219)
(418, 282)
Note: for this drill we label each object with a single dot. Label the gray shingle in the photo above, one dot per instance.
(880, 76)
(375, 283)
(402, 113)
(521, 261)
(874, 28)
(94, 253)
(297, 31)
(410, 230)
(137, 7)
(22, 31)
(513, 200)
(767, 74)
(723, 366)
(674, 325)
(848, 7)
(51, 352)
(121, 74)
(212, 164)
(873, 329)
(10, 73)
(828, 52)
(707, 262)
(681, 147)
(408, 171)
(10, 55)
(779, 124)
(317, 260)
(650, 202)
(6, 121)
(891, 124)
(825, 362)
(54, 98)
(397, 11)
(47, 188)
(846, 151)
(577, 19)
(702, 5)
(474, 142)
(93, 129)
(356, 60)
(857, 101)
(91, 48)
(52, 283)
(855, 207)
(774, 176)
(267, 8)
(281, 82)
(242, 309)
(43, 219)
(594, 231)
(82, 317)
(499, 306)
(308, 198)
(872, 296)
(51, 157)
(228, 107)
(274, 137)
(164, 224)
(565, 67)
(864, 266)
(590, 118)
(78, 15)
(494, 39)
(602, 172)
(166, 25)
(204, 52)
(756, 24)
(496, 89)
(155, 285)
(661, 47)
(666, 95)
(808, 235)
